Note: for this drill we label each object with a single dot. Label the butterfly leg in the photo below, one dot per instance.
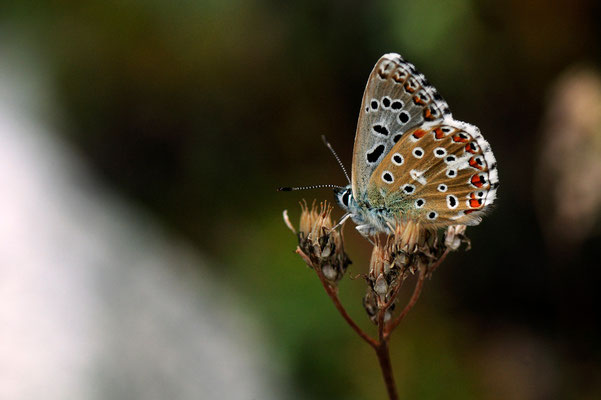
(365, 230)
(342, 220)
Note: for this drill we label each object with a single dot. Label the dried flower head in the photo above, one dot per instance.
(411, 248)
(386, 269)
(454, 236)
(321, 245)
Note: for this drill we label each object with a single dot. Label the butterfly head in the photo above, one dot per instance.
(344, 198)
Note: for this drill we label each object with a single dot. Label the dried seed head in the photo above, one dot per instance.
(409, 235)
(384, 271)
(381, 258)
(454, 236)
(370, 303)
(329, 272)
(380, 285)
(322, 246)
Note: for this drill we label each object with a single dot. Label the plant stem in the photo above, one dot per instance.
(332, 292)
(383, 353)
(416, 292)
(381, 345)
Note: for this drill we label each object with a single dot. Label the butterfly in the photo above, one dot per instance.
(412, 160)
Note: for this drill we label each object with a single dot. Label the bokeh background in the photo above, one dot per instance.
(143, 252)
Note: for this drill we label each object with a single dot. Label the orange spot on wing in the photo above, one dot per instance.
(466, 212)
(474, 164)
(459, 139)
(477, 181)
(475, 203)
(409, 88)
(420, 133)
(468, 147)
(438, 133)
(418, 100)
(428, 115)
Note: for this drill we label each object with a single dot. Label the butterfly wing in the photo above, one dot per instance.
(441, 173)
(397, 98)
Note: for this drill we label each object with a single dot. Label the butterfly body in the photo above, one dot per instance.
(369, 220)
(412, 160)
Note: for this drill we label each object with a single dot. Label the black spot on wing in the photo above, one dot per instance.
(381, 129)
(374, 155)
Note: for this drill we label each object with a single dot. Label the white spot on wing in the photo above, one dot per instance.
(418, 176)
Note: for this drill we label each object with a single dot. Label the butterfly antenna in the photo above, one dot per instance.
(329, 146)
(291, 189)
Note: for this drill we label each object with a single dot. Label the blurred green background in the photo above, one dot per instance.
(195, 111)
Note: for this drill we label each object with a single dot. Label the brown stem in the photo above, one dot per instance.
(438, 262)
(383, 354)
(416, 292)
(332, 292)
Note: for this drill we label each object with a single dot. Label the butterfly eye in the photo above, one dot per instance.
(345, 198)
(442, 187)
(418, 152)
(439, 152)
(452, 201)
(387, 177)
(432, 215)
(397, 159)
(419, 203)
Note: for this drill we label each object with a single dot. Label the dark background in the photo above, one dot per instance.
(197, 110)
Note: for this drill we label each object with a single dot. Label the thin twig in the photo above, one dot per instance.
(416, 292)
(332, 292)
(438, 262)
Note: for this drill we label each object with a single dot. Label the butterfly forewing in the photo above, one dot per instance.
(440, 173)
(397, 98)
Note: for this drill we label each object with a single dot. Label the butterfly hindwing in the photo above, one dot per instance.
(440, 173)
(397, 98)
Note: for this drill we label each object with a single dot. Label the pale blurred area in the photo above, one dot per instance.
(142, 249)
(96, 300)
(568, 186)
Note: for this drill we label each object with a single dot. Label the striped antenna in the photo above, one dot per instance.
(329, 146)
(291, 189)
